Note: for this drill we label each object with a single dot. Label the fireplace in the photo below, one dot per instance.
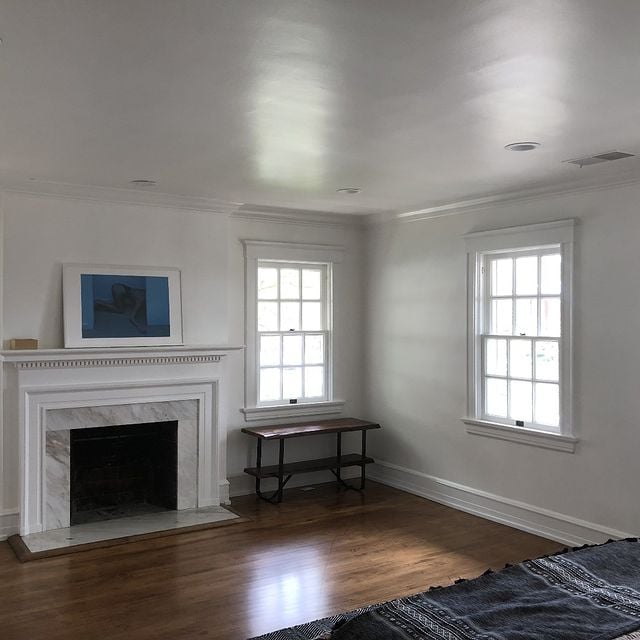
(55, 395)
(123, 470)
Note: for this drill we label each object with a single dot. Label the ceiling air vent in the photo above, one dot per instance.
(600, 157)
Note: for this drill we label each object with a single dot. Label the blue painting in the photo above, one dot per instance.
(116, 306)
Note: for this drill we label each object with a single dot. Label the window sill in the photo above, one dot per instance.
(543, 439)
(293, 410)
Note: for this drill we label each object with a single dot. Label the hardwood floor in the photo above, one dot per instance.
(318, 553)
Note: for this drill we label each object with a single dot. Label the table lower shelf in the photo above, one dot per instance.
(304, 466)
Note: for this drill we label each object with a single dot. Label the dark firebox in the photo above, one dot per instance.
(123, 471)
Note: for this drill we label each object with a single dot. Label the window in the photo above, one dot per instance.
(520, 334)
(292, 332)
(289, 330)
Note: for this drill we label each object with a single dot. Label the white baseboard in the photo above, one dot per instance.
(9, 523)
(543, 522)
(223, 492)
(245, 484)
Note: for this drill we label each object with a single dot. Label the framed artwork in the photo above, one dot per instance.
(107, 306)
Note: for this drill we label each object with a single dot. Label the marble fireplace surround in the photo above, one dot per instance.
(57, 462)
(60, 390)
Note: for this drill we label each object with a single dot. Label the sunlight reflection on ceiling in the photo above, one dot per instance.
(523, 89)
(292, 104)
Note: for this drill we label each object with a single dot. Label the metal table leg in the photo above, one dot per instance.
(276, 496)
(258, 465)
(339, 457)
(281, 480)
(363, 465)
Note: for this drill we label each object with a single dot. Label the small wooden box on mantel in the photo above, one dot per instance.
(19, 344)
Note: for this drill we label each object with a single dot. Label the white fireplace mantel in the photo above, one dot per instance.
(45, 383)
(114, 356)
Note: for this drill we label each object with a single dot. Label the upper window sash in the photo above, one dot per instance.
(323, 299)
(508, 291)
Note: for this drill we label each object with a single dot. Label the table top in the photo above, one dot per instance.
(316, 427)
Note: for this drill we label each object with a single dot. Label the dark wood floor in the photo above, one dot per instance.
(318, 553)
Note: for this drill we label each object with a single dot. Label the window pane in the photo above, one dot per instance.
(527, 276)
(267, 283)
(292, 383)
(496, 357)
(496, 397)
(314, 382)
(550, 274)
(291, 350)
(547, 361)
(289, 284)
(314, 349)
(527, 317)
(520, 359)
(501, 317)
(547, 404)
(269, 350)
(267, 316)
(502, 277)
(311, 316)
(289, 316)
(550, 316)
(521, 400)
(311, 284)
(269, 384)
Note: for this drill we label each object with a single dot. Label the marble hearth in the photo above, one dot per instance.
(52, 393)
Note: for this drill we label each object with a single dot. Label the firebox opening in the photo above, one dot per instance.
(123, 471)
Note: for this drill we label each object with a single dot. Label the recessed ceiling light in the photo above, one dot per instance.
(522, 146)
(143, 183)
(349, 190)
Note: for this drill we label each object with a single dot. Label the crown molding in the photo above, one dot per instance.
(146, 197)
(292, 216)
(474, 204)
(113, 195)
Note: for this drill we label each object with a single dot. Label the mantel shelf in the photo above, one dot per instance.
(116, 356)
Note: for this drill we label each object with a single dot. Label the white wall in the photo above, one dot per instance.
(416, 366)
(40, 234)
(43, 232)
(411, 360)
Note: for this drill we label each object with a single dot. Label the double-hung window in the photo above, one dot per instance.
(292, 332)
(289, 329)
(520, 334)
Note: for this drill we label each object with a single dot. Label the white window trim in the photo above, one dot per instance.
(561, 233)
(254, 251)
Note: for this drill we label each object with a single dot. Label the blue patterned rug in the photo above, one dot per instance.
(591, 593)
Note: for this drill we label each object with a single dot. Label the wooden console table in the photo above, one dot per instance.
(301, 429)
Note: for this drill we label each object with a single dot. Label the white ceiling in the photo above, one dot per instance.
(278, 103)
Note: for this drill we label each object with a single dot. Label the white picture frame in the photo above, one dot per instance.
(121, 306)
